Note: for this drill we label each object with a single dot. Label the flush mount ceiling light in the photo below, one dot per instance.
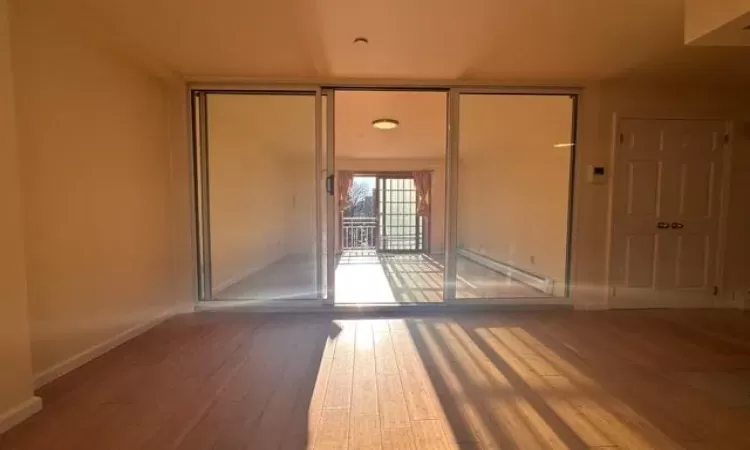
(566, 145)
(385, 124)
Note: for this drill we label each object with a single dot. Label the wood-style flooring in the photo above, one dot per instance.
(377, 278)
(499, 380)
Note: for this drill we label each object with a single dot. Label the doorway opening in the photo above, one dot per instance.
(391, 196)
(382, 215)
(384, 240)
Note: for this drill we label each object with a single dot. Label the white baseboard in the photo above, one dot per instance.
(538, 282)
(76, 361)
(656, 303)
(590, 306)
(19, 413)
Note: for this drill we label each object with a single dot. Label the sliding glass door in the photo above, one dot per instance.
(261, 199)
(400, 228)
(485, 204)
(511, 173)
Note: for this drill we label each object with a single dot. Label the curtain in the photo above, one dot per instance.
(422, 183)
(345, 180)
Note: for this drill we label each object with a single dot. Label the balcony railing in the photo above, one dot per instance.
(359, 233)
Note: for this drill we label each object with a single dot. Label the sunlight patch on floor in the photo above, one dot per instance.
(448, 384)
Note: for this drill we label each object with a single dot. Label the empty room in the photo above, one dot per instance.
(310, 224)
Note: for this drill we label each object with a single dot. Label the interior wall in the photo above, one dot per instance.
(261, 200)
(435, 165)
(513, 183)
(184, 281)
(600, 105)
(15, 353)
(98, 148)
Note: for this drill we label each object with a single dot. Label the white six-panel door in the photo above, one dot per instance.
(667, 192)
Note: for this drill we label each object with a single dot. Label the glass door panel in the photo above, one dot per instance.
(401, 229)
(512, 188)
(261, 160)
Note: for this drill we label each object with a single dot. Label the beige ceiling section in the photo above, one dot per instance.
(265, 38)
(542, 40)
(552, 41)
(414, 39)
(717, 22)
(421, 130)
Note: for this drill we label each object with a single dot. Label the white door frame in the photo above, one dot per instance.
(723, 199)
(199, 176)
(331, 205)
(451, 191)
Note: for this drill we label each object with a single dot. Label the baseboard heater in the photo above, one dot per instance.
(535, 281)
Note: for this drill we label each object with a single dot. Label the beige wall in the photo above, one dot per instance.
(15, 356)
(435, 165)
(299, 228)
(99, 142)
(599, 105)
(513, 184)
(261, 197)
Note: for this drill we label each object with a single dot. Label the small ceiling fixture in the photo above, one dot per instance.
(361, 40)
(385, 124)
(566, 145)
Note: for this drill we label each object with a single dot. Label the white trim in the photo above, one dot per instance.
(451, 195)
(191, 137)
(317, 194)
(258, 84)
(612, 180)
(725, 296)
(19, 413)
(331, 204)
(539, 282)
(594, 306)
(93, 352)
(655, 303)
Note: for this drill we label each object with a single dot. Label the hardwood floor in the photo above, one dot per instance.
(376, 278)
(525, 380)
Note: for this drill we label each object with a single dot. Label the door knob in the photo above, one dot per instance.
(662, 225)
(677, 225)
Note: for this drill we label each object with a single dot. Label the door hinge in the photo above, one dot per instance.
(613, 291)
(726, 138)
(622, 138)
(716, 290)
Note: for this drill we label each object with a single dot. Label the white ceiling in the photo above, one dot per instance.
(512, 40)
(420, 134)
